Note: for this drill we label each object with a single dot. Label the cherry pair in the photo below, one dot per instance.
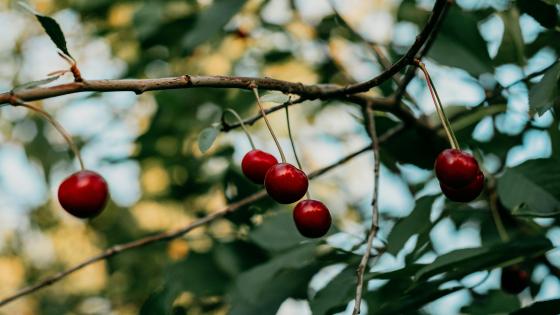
(83, 194)
(286, 184)
(459, 175)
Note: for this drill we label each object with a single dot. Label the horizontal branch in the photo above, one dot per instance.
(437, 11)
(166, 236)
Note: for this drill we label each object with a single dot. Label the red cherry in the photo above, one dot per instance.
(312, 218)
(256, 163)
(83, 194)
(514, 279)
(456, 168)
(466, 193)
(285, 183)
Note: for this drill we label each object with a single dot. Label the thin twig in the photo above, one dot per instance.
(370, 118)
(409, 75)
(60, 129)
(170, 235)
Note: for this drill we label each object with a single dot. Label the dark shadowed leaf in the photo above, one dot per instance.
(495, 302)
(288, 274)
(543, 94)
(277, 232)
(336, 294)
(512, 48)
(461, 262)
(532, 188)
(550, 307)
(416, 222)
(545, 13)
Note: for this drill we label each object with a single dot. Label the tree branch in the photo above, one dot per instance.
(370, 120)
(170, 235)
(409, 75)
(437, 12)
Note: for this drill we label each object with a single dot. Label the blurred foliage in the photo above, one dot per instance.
(251, 261)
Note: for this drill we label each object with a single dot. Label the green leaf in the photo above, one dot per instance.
(460, 44)
(206, 138)
(277, 232)
(413, 300)
(461, 262)
(275, 97)
(262, 289)
(211, 21)
(495, 302)
(543, 95)
(51, 27)
(545, 13)
(512, 48)
(336, 294)
(549, 307)
(197, 273)
(416, 222)
(536, 184)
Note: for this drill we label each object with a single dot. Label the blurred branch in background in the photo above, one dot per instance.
(170, 235)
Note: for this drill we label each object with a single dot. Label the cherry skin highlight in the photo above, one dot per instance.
(285, 183)
(83, 194)
(256, 163)
(456, 168)
(464, 194)
(312, 218)
(514, 279)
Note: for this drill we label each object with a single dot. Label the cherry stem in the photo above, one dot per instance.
(263, 113)
(439, 108)
(242, 126)
(60, 129)
(294, 145)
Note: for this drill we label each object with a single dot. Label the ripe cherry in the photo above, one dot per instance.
(286, 183)
(456, 168)
(312, 218)
(256, 163)
(514, 279)
(83, 194)
(466, 193)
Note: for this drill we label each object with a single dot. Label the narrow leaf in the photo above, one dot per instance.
(416, 222)
(51, 27)
(543, 94)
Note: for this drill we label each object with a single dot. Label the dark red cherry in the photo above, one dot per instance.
(83, 194)
(466, 193)
(456, 168)
(256, 163)
(514, 279)
(285, 183)
(312, 218)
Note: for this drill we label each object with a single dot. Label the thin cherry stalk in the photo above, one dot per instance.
(439, 108)
(263, 113)
(240, 120)
(294, 145)
(60, 129)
